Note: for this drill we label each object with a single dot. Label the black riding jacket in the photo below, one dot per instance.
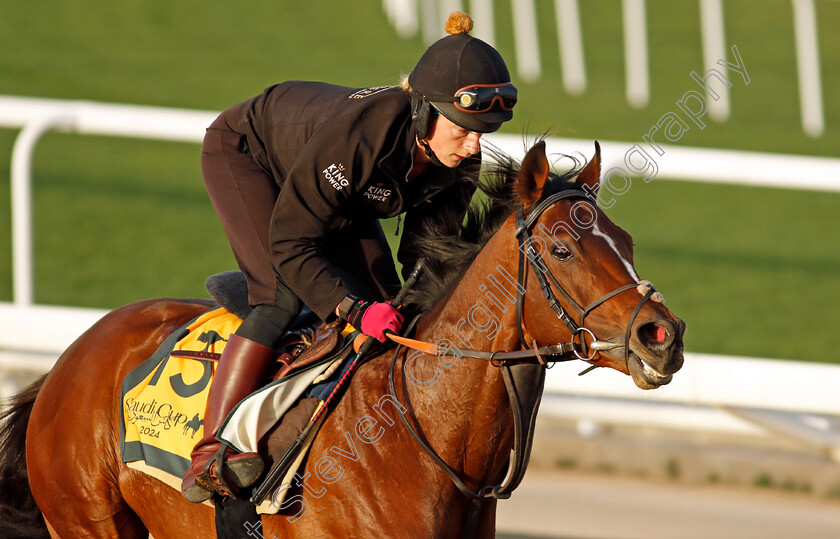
(339, 155)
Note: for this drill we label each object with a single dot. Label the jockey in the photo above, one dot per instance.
(299, 176)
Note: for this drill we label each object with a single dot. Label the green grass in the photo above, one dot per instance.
(116, 221)
(209, 55)
(753, 271)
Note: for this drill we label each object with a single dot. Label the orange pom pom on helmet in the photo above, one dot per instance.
(463, 78)
(458, 22)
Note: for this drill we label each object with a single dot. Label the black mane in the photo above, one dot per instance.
(448, 257)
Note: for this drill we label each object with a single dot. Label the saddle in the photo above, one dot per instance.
(296, 351)
(299, 350)
(300, 347)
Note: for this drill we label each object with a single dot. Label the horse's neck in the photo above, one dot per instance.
(480, 312)
(461, 403)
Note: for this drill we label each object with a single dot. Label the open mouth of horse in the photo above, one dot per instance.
(644, 375)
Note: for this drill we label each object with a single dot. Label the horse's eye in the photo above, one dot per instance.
(561, 254)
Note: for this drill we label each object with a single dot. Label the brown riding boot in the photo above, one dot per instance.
(240, 370)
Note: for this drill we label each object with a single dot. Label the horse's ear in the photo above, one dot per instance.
(532, 175)
(591, 173)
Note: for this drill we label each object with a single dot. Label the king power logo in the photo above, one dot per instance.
(367, 92)
(335, 175)
(378, 193)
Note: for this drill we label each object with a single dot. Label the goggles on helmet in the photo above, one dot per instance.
(478, 98)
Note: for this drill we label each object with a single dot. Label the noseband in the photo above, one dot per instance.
(527, 250)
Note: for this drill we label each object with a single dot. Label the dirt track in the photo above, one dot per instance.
(572, 504)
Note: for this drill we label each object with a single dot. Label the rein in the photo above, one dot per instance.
(523, 384)
(496, 358)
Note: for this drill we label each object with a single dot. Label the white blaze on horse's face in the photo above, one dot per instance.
(626, 263)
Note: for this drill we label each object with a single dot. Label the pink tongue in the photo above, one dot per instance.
(659, 334)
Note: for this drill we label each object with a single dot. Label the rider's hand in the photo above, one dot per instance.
(375, 318)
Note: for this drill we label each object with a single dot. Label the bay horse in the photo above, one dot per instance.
(365, 475)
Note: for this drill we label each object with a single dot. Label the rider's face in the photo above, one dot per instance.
(452, 143)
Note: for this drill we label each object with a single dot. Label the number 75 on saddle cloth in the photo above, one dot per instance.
(163, 398)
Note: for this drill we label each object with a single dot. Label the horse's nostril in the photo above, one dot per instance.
(656, 334)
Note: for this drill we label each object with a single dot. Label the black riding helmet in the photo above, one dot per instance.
(463, 78)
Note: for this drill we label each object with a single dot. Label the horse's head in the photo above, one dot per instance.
(584, 262)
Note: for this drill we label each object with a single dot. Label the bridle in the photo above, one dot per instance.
(564, 351)
(526, 245)
(524, 385)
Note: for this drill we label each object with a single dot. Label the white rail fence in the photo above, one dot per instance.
(35, 117)
(743, 396)
(403, 14)
(794, 398)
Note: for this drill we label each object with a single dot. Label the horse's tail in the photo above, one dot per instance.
(19, 515)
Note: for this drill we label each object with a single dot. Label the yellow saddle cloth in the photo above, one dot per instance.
(163, 399)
